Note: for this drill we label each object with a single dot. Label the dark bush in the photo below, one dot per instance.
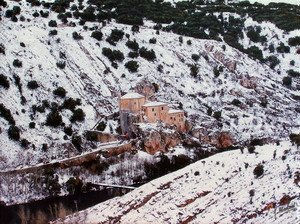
(97, 35)
(258, 170)
(14, 133)
(133, 54)
(116, 35)
(74, 185)
(88, 14)
(255, 53)
(251, 149)
(70, 103)
(68, 130)
(273, 60)
(35, 14)
(194, 70)
(135, 29)
(217, 115)
(4, 81)
(254, 34)
(283, 49)
(101, 126)
(152, 40)
(76, 36)
(61, 64)
(236, 102)
(132, 66)
(32, 84)
(147, 54)
(17, 63)
(6, 114)
(294, 41)
(295, 138)
(44, 14)
(52, 23)
(25, 143)
(293, 73)
(133, 45)
(195, 57)
(54, 119)
(77, 142)
(31, 125)
(189, 42)
(52, 32)
(287, 81)
(3, 3)
(216, 72)
(60, 91)
(2, 49)
(78, 115)
(113, 55)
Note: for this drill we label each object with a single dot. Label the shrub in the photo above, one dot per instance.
(32, 84)
(294, 41)
(70, 103)
(133, 54)
(135, 29)
(6, 114)
(61, 64)
(274, 61)
(60, 91)
(293, 73)
(89, 14)
(287, 81)
(295, 138)
(132, 66)
(255, 53)
(4, 81)
(54, 119)
(258, 170)
(133, 45)
(31, 125)
(216, 72)
(147, 54)
(116, 35)
(114, 55)
(254, 34)
(3, 3)
(25, 143)
(2, 49)
(292, 62)
(17, 63)
(52, 23)
(180, 39)
(251, 149)
(77, 141)
(97, 35)
(217, 115)
(271, 48)
(195, 57)
(76, 36)
(52, 32)
(101, 126)
(189, 42)
(194, 70)
(35, 14)
(152, 40)
(283, 49)
(14, 133)
(74, 185)
(236, 102)
(68, 130)
(78, 115)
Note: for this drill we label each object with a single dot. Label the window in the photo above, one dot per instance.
(162, 108)
(154, 114)
(152, 109)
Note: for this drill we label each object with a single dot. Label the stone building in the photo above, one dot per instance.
(135, 109)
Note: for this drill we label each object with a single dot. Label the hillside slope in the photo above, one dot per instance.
(224, 188)
(248, 96)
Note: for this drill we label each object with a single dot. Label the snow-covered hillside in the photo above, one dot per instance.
(263, 106)
(225, 188)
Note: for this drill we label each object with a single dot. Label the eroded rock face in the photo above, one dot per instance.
(248, 82)
(220, 140)
(145, 88)
(155, 141)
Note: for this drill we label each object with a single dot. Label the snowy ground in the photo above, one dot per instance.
(219, 189)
